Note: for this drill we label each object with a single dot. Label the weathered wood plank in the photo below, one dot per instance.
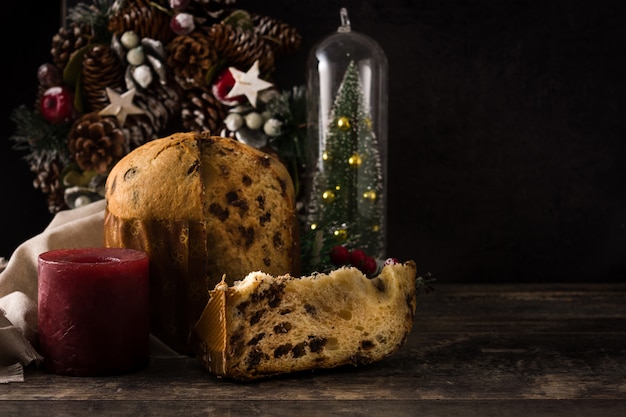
(369, 408)
(523, 308)
(475, 350)
(480, 366)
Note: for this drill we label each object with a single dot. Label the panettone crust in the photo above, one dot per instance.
(202, 206)
(158, 180)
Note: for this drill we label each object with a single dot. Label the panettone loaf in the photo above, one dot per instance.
(265, 325)
(202, 206)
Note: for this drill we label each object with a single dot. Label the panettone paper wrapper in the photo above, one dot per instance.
(178, 272)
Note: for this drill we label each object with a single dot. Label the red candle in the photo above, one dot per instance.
(93, 311)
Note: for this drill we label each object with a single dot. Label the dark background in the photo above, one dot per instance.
(506, 129)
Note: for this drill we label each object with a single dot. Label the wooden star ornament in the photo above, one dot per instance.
(248, 83)
(121, 105)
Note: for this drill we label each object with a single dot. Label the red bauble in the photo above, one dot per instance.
(49, 75)
(368, 266)
(339, 255)
(57, 104)
(222, 85)
(357, 256)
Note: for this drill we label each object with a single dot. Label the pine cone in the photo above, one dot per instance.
(202, 111)
(97, 143)
(190, 57)
(240, 48)
(146, 20)
(140, 130)
(281, 37)
(48, 180)
(101, 68)
(67, 41)
(161, 103)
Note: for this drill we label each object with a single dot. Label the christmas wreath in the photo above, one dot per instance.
(124, 72)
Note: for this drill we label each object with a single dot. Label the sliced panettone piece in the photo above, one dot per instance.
(264, 325)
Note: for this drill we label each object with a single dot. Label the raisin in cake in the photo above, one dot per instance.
(201, 206)
(265, 325)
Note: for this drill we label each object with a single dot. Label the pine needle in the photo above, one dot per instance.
(40, 139)
(95, 15)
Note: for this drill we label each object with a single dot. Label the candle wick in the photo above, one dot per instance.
(345, 20)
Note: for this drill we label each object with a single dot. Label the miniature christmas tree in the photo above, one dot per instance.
(347, 204)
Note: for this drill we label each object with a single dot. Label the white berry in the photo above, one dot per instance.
(136, 56)
(233, 122)
(129, 39)
(254, 120)
(272, 127)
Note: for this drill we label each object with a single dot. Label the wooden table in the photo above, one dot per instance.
(475, 350)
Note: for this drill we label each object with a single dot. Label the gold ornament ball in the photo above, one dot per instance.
(370, 195)
(340, 234)
(343, 123)
(355, 160)
(328, 196)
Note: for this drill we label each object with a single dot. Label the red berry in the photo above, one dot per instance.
(368, 266)
(57, 104)
(222, 85)
(356, 257)
(49, 75)
(339, 255)
(182, 23)
(391, 261)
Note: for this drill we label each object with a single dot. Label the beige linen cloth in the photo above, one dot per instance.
(80, 227)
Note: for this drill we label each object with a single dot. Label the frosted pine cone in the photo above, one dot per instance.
(48, 180)
(140, 130)
(202, 111)
(161, 104)
(281, 37)
(66, 41)
(97, 143)
(143, 18)
(241, 48)
(190, 57)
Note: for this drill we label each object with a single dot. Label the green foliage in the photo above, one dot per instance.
(96, 16)
(290, 108)
(37, 137)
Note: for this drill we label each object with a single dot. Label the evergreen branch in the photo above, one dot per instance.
(37, 137)
(95, 15)
(290, 108)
